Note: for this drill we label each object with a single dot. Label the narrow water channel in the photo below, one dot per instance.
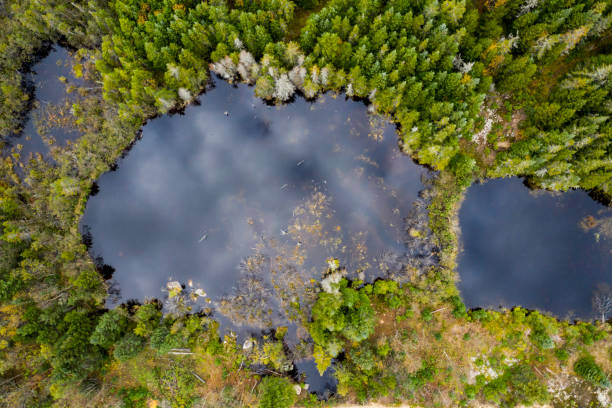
(48, 80)
(536, 249)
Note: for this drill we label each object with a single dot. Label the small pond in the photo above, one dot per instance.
(49, 93)
(536, 249)
(321, 385)
(239, 199)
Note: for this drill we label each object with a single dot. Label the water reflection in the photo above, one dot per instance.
(321, 385)
(533, 248)
(46, 122)
(248, 201)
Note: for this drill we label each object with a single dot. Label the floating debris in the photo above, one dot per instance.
(174, 289)
(248, 344)
(333, 263)
(174, 286)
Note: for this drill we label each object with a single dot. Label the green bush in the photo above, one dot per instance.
(541, 339)
(383, 287)
(525, 385)
(134, 397)
(147, 318)
(422, 376)
(459, 309)
(463, 167)
(426, 314)
(176, 383)
(344, 314)
(163, 341)
(589, 334)
(586, 368)
(562, 354)
(128, 347)
(158, 338)
(517, 385)
(276, 392)
(383, 349)
(110, 328)
(480, 315)
(364, 358)
(470, 391)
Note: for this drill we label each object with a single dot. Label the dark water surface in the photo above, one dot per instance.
(322, 385)
(235, 187)
(535, 249)
(49, 90)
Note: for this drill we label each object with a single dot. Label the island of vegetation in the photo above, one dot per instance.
(477, 89)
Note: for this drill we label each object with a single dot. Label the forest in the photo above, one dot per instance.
(476, 89)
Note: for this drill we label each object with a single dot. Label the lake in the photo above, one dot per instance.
(247, 202)
(535, 249)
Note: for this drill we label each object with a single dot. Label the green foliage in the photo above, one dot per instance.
(459, 309)
(129, 346)
(539, 332)
(589, 334)
(134, 397)
(276, 393)
(363, 372)
(147, 319)
(586, 368)
(110, 328)
(479, 315)
(541, 339)
(470, 391)
(73, 356)
(176, 384)
(383, 349)
(400, 55)
(562, 354)
(272, 353)
(344, 314)
(554, 61)
(163, 340)
(426, 314)
(422, 376)
(307, 4)
(463, 167)
(389, 291)
(157, 53)
(517, 385)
